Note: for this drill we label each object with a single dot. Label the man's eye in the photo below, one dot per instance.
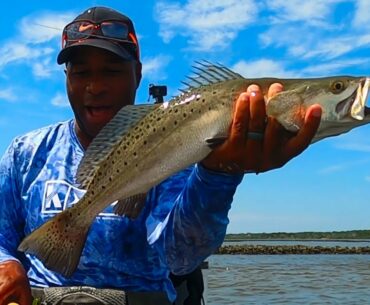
(114, 70)
(79, 72)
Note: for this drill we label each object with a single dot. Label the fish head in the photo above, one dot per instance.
(346, 109)
(342, 98)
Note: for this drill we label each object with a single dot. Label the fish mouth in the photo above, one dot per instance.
(355, 104)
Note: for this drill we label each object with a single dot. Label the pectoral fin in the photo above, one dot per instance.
(214, 142)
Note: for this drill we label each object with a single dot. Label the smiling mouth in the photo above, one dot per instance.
(98, 110)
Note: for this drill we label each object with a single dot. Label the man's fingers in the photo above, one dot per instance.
(239, 125)
(257, 105)
(272, 142)
(274, 89)
(256, 129)
(304, 137)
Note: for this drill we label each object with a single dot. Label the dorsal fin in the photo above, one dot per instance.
(207, 73)
(110, 135)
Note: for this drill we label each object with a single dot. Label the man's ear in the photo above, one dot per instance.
(138, 68)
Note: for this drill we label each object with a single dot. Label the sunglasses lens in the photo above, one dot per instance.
(113, 29)
(79, 30)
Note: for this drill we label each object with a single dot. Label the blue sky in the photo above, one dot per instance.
(324, 189)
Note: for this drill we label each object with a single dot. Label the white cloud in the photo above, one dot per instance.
(60, 100)
(16, 52)
(334, 66)
(153, 67)
(344, 166)
(356, 140)
(35, 43)
(309, 30)
(262, 68)
(332, 169)
(43, 68)
(207, 24)
(362, 16)
(313, 12)
(8, 95)
(49, 25)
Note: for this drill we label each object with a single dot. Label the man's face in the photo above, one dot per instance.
(99, 84)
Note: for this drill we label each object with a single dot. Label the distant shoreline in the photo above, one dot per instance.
(290, 249)
(304, 236)
(300, 239)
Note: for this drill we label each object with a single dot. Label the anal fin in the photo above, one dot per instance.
(131, 206)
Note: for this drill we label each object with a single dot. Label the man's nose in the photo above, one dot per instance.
(96, 86)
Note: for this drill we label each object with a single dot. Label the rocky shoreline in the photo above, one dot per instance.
(295, 249)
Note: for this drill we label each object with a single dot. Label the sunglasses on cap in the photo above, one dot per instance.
(114, 30)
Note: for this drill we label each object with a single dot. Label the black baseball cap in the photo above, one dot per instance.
(125, 45)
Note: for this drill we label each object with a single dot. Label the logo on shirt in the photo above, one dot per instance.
(60, 195)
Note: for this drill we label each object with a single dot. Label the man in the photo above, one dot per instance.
(185, 217)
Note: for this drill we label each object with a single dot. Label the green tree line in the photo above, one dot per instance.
(354, 234)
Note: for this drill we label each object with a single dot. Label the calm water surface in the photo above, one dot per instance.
(289, 279)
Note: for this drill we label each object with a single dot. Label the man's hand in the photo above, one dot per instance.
(258, 143)
(14, 284)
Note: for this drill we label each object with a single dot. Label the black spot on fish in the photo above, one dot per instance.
(163, 128)
(145, 142)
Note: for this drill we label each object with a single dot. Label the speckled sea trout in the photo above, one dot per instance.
(145, 144)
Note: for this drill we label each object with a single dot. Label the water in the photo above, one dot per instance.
(289, 279)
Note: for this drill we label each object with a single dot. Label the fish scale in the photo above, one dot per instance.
(145, 144)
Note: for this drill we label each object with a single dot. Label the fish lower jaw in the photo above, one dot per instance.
(358, 108)
(347, 107)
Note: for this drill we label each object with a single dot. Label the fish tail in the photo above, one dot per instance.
(58, 243)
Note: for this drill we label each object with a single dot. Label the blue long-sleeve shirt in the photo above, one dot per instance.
(183, 222)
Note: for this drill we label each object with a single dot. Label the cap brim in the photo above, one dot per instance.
(64, 55)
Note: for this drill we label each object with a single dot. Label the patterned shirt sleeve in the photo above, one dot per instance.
(194, 225)
(12, 218)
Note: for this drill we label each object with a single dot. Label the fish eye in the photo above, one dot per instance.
(338, 87)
